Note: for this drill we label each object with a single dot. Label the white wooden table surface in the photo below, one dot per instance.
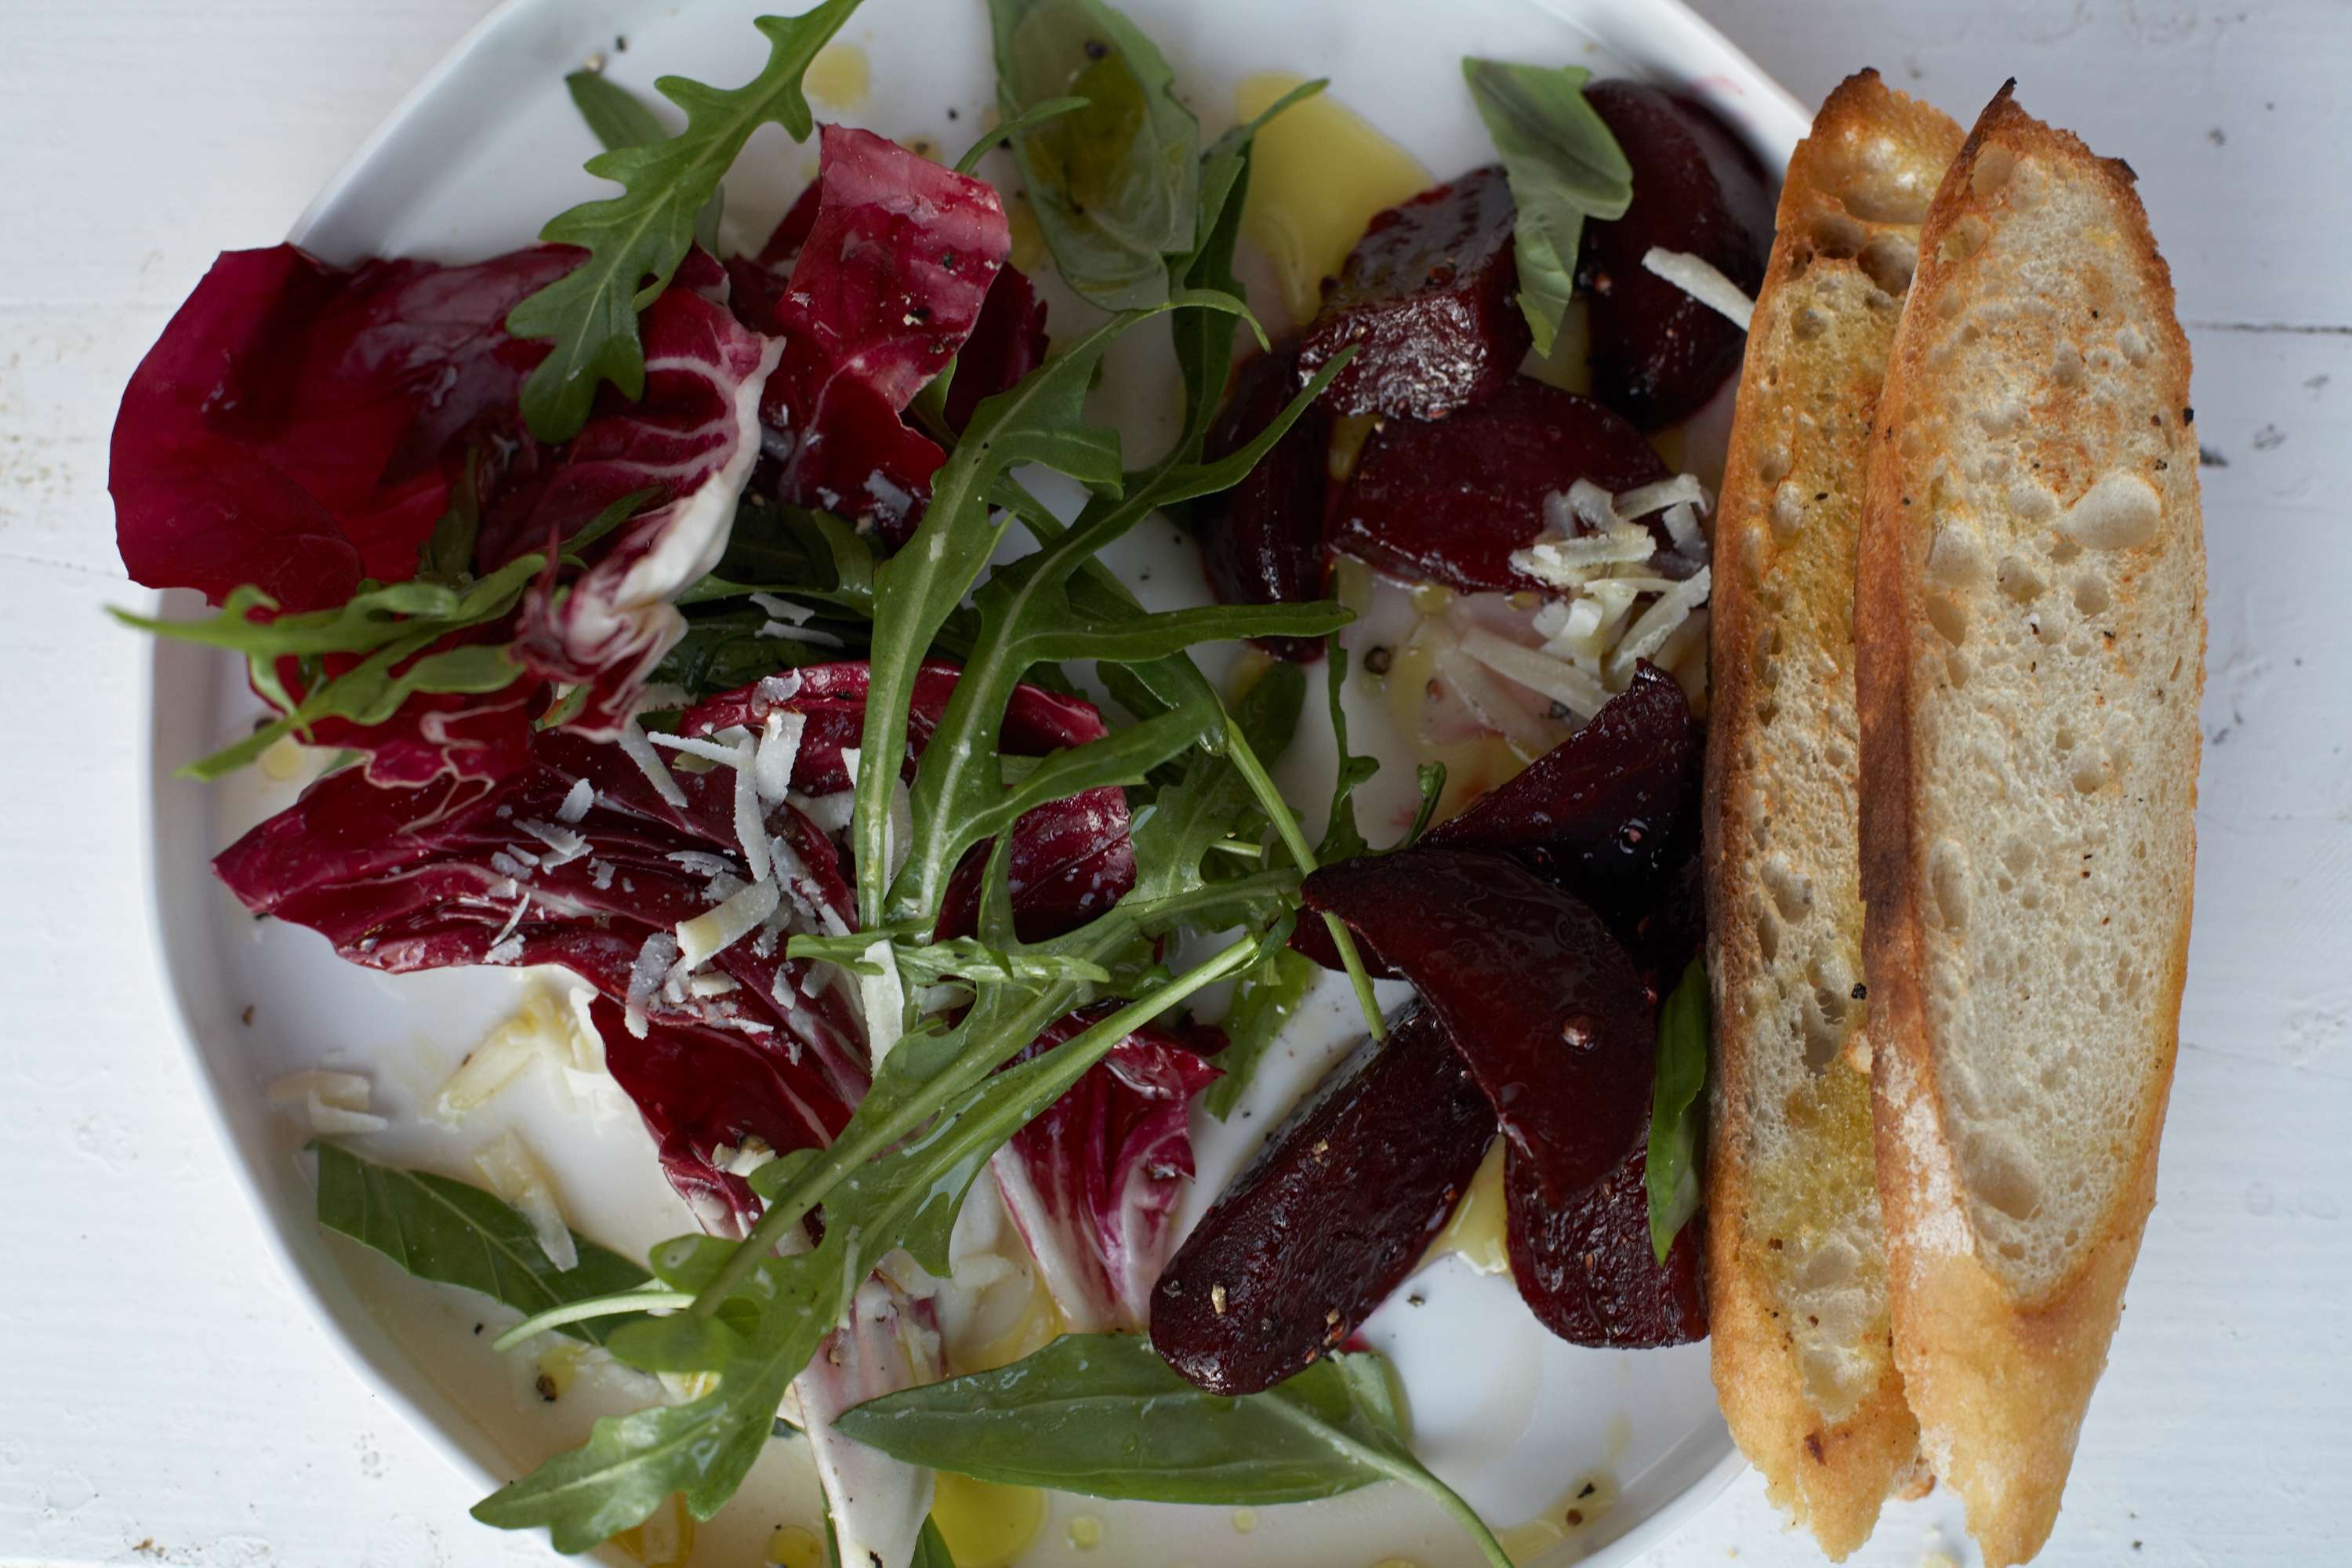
(163, 1399)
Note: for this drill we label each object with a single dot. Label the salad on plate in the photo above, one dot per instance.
(720, 632)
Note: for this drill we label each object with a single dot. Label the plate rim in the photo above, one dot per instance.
(357, 1340)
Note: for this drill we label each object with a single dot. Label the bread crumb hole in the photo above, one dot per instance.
(2019, 581)
(1948, 619)
(1811, 324)
(2067, 365)
(1994, 164)
(1964, 240)
(1948, 881)
(1835, 235)
(1774, 467)
(2090, 594)
(2088, 777)
(1889, 261)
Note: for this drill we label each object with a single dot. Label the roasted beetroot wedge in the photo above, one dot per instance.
(1449, 503)
(1547, 1010)
(1657, 354)
(1328, 1220)
(1261, 541)
(1587, 1270)
(1610, 813)
(1430, 295)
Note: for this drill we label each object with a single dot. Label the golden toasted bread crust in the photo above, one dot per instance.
(1789, 1164)
(1998, 1378)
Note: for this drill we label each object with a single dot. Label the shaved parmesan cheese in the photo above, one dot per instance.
(779, 749)
(334, 1102)
(885, 998)
(830, 812)
(515, 1174)
(1683, 490)
(653, 963)
(1572, 688)
(564, 846)
(1702, 280)
(1572, 562)
(1682, 527)
(1489, 704)
(715, 929)
(1595, 507)
(551, 1022)
(709, 750)
(1649, 633)
(640, 751)
(576, 804)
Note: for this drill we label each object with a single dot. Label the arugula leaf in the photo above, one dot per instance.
(454, 1234)
(616, 116)
(1115, 185)
(1671, 1175)
(952, 958)
(619, 118)
(1342, 839)
(1265, 1000)
(931, 1549)
(636, 240)
(1563, 166)
(1103, 1416)
(1001, 135)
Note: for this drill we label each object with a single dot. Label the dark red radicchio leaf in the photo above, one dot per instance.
(516, 872)
(1007, 342)
(1094, 1181)
(1071, 859)
(1450, 502)
(691, 440)
(1587, 1267)
(1329, 1219)
(889, 282)
(1261, 541)
(299, 426)
(1548, 1014)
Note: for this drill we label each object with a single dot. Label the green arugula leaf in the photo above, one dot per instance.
(1342, 839)
(1564, 166)
(636, 240)
(619, 118)
(724, 648)
(616, 116)
(1115, 185)
(1671, 1174)
(954, 958)
(454, 1234)
(931, 1549)
(1102, 1416)
(1001, 135)
(1265, 1000)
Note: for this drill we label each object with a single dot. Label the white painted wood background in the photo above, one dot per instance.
(162, 1398)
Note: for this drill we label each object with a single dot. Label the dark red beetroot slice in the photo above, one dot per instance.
(1449, 503)
(1544, 1006)
(1430, 293)
(1326, 1222)
(1587, 1270)
(1611, 814)
(1007, 342)
(1261, 541)
(1657, 354)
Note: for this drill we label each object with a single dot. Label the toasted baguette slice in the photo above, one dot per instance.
(2031, 625)
(1796, 1255)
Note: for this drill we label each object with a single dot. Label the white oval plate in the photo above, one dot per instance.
(482, 151)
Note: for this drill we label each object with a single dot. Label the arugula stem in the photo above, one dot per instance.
(594, 1307)
(1286, 822)
(828, 1171)
(1401, 1467)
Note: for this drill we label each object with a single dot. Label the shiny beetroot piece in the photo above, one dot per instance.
(1261, 541)
(1326, 1222)
(1449, 502)
(1611, 814)
(1545, 1007)
(1429, 294)
(1586, 1270)
(1657, 354)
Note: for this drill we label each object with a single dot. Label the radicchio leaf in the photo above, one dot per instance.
(299, 426)
(460, 872)
(1093, 1183)
(876, 1504)
(890, 276)
(1070, 860)
(691, 441)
